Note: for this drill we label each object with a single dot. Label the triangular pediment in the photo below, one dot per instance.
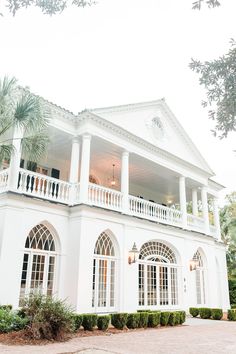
(155, 122)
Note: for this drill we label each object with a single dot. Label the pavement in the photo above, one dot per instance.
(195, 337)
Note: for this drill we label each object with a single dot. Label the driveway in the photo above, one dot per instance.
(195, 337)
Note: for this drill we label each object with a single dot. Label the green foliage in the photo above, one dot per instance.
(144, 310)
(89, 321)
(49, 318)
(216, 314)
(218, 77)
(154, 319)
(133, 320)
(20, 109)
(197, 5)
(165, 318)
(194, 311)
(231, 315)
(205, 312)
(233, 306)
(103, 322)
(182, 315)
(119, 320)
(47, 7)
(6, 307)
(143, 319)
(10, 321)
(78, 319)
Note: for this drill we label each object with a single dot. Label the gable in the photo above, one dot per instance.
(155, 123)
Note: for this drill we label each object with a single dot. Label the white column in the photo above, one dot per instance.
(194, 202)
(74, 161)
(125, 180)
(205, 210)
(182, 199)
(216, 218)
(15, 158)
(84, 170)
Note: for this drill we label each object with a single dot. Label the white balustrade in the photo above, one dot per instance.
(213, 230)
(104, 197)
(195, 223)
(4, 174)
(153, 211)
(42, 186)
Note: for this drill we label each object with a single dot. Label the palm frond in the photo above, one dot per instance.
(6, 151)
(34, 147)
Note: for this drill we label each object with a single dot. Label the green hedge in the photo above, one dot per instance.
(182, 315)
(205, 312)
(143, 319)
(89, 321)
(154, 319)
(10, 321)
(103, 322)
(216, 314)
(231, 315)
(174, 318)
(6, 307)
(194, 311)
(165, 318)
(78, 320)
(133, 320)
(119, 320)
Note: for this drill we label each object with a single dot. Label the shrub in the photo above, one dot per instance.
(182, 317)
(78, 319)
(144, 310)
(233, 306)
(231, 315)
(205, 312)
(49, 318)
(174, 318)
(89, 321)
(165, 318)
(143, 319)
(154, 319)
(232, 296)
(103, 322)
(194, 311)
(6, 307)
(119, 320)
(216, 314)
(133, 320)
(10, 321)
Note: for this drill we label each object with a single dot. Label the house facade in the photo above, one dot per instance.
(121, 214)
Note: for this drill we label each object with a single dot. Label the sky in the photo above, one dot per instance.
(125, 51)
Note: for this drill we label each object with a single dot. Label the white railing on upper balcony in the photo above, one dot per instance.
(4, 175)
(42, 186)
(195, 222)
(104, 197)
(213, 230)
(153, 211)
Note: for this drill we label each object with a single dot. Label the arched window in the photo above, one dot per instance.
(158, 275)
(200, 279)
(104, 274)
(38, 262)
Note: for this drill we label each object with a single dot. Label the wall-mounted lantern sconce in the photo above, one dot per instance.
(133, 254)
(193, 264)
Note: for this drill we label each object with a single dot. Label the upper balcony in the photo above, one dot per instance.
(91, 170)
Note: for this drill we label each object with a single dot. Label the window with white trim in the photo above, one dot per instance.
(158, 275)
(200, 279)
(104, 274)
(39, 261)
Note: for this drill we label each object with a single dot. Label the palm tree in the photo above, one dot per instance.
(21, 110)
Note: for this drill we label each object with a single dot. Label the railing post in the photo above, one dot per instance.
(182, 198)
(216, 218)
(74, 169)
(205, 210)
(84, 171)
(125, 181)
(15, 159)
(194, 202)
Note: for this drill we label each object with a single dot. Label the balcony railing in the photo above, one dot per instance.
(52, 189)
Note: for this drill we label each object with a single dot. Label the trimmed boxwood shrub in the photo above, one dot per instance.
(165, 318)
(6, 307)
(154, 318)
(148, 310)
(133, 320)
(216, 314)
(103, 322)
(89, 321)
(231, 315)
(143, 319)
(194, 311)
(174, 318)
(205, 312)
(119, 320)
(78, 319)
(10, 321)
(233, 306)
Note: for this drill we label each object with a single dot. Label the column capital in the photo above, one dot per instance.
(76, 139)
(125, 153)
(87, 136)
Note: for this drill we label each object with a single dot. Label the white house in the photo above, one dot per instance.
(113, 178)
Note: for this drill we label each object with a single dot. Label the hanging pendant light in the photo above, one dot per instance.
(113, 181)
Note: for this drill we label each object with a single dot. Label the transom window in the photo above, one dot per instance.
(104, 274)
(158, 275)
(39, 262)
